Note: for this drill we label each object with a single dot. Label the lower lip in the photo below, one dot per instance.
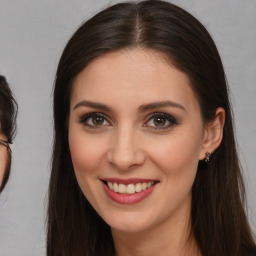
(127, 198)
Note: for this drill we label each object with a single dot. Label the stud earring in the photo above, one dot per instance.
(207, 157)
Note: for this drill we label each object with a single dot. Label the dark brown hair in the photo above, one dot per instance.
(8, 112)
(219, 223)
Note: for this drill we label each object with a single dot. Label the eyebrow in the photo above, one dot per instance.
(142, 108)
(91, 104)
(161, 104)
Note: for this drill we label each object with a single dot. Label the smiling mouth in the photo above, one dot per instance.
(129, 189)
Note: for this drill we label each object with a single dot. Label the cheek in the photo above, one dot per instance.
(177, 156)
(86, 151)
(84, 156)
(177, 161)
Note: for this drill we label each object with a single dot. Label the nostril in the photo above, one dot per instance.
(124, 160)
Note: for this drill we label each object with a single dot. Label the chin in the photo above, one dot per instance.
(128, 228)
(133, 223)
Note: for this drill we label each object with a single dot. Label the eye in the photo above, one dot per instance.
(160, 121)
(94, 120)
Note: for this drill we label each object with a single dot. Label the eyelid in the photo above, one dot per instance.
(172, 120)
(83, 118)
(169, 119)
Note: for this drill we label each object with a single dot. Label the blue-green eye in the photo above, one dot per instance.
(161, 121)
(94, 120)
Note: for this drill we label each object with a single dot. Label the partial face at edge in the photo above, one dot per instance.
(135, 119)
(3, 159)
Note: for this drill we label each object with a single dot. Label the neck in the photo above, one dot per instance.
(171, 237)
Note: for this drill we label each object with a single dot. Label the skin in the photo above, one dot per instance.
(129, 144)
(3, 158)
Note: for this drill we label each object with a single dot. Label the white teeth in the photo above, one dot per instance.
(138, 187)
(144, 186)
(116, 187)
(110, 185)
(122, 189)
(129, 189)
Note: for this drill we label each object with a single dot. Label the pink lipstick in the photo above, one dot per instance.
(128, 191)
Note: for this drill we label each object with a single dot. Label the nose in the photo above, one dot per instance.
(125, 151)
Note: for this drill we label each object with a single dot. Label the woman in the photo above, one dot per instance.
(144, 159)
(8, 108)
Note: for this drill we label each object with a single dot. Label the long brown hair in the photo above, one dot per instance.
(8, 114)
(219, 223)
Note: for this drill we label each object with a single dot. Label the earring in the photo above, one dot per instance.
(207, 157)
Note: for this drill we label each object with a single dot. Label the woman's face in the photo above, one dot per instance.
(136, 135)
(3, 158)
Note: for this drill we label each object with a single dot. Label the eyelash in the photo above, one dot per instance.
(84, 120)
(167, 118)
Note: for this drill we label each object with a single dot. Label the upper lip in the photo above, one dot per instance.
(128, 181)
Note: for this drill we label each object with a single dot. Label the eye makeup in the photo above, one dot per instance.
(156, 121)
(94, 120)
(160, 121)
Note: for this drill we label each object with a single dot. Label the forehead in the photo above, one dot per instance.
(132, 76)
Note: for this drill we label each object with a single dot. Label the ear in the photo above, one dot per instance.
(213, 133)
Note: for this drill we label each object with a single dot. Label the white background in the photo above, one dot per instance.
(32, 36)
